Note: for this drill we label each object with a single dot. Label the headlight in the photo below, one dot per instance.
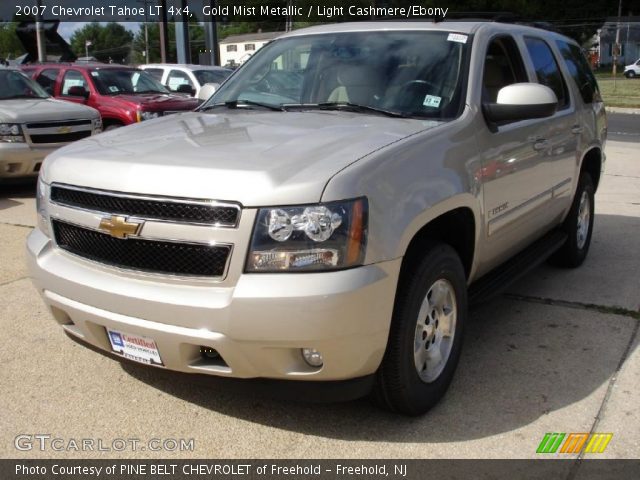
(11, 133)
(41, 207)
(97, 125)
(142, 116)
(309, 238)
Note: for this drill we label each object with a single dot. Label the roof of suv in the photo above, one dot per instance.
(468, 27)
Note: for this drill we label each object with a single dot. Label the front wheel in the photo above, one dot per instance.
(630, 74)
(426, 333)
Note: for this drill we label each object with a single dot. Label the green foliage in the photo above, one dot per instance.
(10, 46)
(108, 42)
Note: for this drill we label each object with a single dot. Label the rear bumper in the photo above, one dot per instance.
(21, 159)
(258, 326)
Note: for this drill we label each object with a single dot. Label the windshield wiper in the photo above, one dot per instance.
(352, 107)
(241, 103)
(147, 91)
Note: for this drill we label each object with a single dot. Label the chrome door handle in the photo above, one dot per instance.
(576, 129)
(541, 144)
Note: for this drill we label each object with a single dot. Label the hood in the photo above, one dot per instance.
(252, 157)
(161, 101)
(22, 110)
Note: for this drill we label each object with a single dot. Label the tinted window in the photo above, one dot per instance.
(47, 79)
(73, 78)
(211, 76)
(579, 70)
(114, 81)
(547, 69)
(154, 72)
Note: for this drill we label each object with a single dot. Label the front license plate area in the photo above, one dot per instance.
(134, 347)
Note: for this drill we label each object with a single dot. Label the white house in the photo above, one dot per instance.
(236, 49)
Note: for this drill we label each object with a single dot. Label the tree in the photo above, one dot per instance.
(10, 46)
(196, 36)
(108, 42)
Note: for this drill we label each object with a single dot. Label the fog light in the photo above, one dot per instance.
(312, 356)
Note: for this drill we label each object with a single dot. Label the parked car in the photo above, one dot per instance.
(632, 70)
(32, 124)
(122, 95)
(182, 78)
(334, 232)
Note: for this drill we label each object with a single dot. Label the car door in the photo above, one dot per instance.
(563, 128)
(73, 78)
(517, 167)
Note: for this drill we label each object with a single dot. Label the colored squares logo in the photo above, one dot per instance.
(574, 442)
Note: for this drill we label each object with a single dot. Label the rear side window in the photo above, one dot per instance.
(579, 70)
(155, 73)
(47, 79)
(547, 69)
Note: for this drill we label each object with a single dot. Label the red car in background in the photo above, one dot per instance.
(123, 95)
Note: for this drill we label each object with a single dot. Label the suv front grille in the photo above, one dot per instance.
(60, 137)
(175, 210)
(147, 255)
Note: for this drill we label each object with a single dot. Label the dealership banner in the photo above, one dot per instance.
(219, 10)
(318, 469)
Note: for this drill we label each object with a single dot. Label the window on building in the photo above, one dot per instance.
(249, 47)
(232, 48)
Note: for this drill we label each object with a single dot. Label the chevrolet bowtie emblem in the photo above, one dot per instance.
(64, 130)
(119, 227)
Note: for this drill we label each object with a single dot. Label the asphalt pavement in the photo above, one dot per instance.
(557, 353)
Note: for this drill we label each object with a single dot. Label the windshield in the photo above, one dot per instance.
(407, 73)
(111, 81)
(211, 76)
(14, 84)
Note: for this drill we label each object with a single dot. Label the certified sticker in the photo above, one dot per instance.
(457, 37)
(431, 101)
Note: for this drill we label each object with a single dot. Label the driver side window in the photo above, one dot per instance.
(503, 66)
(73, 78)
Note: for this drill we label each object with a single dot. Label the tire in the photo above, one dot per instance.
(630, 74)
(405, 383)
(578, 225)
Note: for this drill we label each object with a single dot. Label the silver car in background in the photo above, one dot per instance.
(32, 124)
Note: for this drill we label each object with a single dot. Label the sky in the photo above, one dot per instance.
(66, 29)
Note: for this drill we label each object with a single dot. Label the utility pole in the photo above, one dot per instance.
(42, 54)
(616, 47)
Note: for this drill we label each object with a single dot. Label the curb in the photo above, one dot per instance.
(632, 111)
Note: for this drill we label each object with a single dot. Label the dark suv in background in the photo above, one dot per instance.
(122, 95)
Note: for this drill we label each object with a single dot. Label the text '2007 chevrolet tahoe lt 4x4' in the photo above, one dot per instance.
(330, 228)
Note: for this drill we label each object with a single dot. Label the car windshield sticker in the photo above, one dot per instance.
(457, 37)
(113, 88)
(94, 74)
(431, 101)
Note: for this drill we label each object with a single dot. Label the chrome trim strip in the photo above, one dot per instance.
(158, 198)
(501, 221)
(562, 187)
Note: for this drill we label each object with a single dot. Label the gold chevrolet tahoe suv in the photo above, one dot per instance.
(326, 217)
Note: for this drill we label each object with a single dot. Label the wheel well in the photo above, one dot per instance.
(455, 228)
(592, 164)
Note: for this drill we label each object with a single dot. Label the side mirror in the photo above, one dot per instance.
(521, 101)
(78, 91)
(185, 88)
(207, 90)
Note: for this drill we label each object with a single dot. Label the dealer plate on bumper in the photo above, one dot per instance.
(135, 347)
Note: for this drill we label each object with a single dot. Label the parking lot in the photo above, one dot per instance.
(558, 353)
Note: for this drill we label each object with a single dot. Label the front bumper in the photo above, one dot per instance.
(258, 326)
(21, 159)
